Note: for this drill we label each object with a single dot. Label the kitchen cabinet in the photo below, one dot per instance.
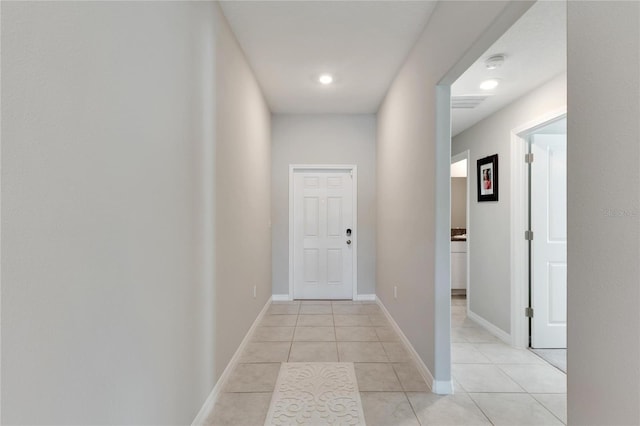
(459, 265)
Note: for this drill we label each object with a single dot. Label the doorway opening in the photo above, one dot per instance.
(538, 260)
(479, 117)
(460, 228)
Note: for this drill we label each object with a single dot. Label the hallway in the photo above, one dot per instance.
(145, 210)
(494, 383)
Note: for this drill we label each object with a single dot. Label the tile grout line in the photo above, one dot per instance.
(486, 416)
(333, 318)
(293, 336)
(413, 410)
(552, 413)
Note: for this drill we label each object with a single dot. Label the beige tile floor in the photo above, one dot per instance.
(494, 384)
(509, 386)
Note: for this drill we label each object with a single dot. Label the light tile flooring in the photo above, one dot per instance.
(494, 384)
(555, 357)
(509, 386)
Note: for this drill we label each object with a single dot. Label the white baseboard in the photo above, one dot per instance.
(500, 334)
(434, 385)
(280, 298)
(208, 405)
(442, 387)
(359, 298)
(365, 298)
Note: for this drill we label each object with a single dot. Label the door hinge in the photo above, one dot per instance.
(528, 312)
(528, 235)
(528, 158)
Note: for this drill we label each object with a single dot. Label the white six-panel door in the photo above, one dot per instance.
(549, 245)
(323, 252)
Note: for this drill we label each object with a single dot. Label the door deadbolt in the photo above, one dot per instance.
(348, 232)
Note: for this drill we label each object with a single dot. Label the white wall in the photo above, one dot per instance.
(324, 139)
(101, 126)
(407, 181)
(243, 196)
(603, 133)
(110, 204)
(489, 229)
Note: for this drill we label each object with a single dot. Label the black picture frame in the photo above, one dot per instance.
(487, 178)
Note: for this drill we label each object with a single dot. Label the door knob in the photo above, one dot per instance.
(348, 242)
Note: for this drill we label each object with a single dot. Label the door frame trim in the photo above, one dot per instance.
(519, 219)
(297, 168)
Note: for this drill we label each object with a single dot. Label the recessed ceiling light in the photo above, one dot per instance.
(326, 79)
(489, 84)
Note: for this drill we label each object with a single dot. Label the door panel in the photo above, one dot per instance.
(334, 266)
(311, 216)
(557, 293)
(323, 260)
(310, 265)
(334, 217)
(549, 245)
(334, 182)
(311, 182)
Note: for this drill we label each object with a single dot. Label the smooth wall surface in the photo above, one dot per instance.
(603, 134)
(489, 229)
(458, 202)
(136, 190)
(105, 109)
(243, 196)
(324, 139)
(406, 145)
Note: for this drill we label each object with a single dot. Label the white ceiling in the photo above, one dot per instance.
(362, 43)
(535, 49)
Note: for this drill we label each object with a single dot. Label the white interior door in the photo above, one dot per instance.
(549, 245)
(323, 234)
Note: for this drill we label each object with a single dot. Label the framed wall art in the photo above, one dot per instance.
(487, 178)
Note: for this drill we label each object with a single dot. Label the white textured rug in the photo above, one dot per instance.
(316, 393)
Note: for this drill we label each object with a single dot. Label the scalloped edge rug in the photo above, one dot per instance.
(316, 393)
